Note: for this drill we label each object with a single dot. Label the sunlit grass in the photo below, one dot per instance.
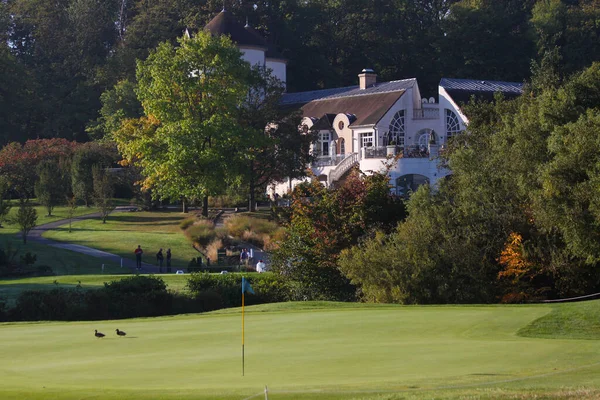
(303, 351)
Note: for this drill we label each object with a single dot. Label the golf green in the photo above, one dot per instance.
(327, 352)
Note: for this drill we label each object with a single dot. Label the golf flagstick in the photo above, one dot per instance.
(245, 287)
(242, 327)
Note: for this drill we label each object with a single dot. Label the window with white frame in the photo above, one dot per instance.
(452, 124)
(342, 146)
(323, 143)
(367, 139)
(397, 128)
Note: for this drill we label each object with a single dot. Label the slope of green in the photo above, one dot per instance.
(124, 231)
(344, 351)
(567, 321)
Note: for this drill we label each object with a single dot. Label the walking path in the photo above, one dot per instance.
(35, 235)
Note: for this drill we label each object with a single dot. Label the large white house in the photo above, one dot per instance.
(366, 125)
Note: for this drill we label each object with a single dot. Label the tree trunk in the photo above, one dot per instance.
(184, 208)
(205, 206)
(251, 190)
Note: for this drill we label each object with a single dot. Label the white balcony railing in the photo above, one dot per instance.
(343, 167)
(426, 113)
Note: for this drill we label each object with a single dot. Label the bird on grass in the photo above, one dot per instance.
(121, 333)
(98, 334)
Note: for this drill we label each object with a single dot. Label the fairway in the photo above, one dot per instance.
(301, 351)
(124, 231)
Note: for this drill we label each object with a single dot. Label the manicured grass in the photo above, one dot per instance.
(567, 321)
(11, 288)
(124, 231)
(62, 261)
(331, 351)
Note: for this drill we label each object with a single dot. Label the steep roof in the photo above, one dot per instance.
(348, 91)
(461, 90)
(368, 109)
(225, 24)
(368, 105)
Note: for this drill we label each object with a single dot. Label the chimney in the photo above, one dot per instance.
(367, 78)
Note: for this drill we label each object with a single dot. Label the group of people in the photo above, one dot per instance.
(160, 257)
(245, 258)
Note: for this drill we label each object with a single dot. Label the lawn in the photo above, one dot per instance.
(124, 231)
(307, 351)
(63, 262)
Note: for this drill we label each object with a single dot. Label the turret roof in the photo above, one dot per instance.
(225, 24)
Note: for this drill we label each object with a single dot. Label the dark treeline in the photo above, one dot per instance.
(57, 58)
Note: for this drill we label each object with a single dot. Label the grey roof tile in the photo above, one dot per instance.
(348, 91)
(474, 85)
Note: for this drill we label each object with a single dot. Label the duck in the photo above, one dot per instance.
(98, 334)
(120, 333)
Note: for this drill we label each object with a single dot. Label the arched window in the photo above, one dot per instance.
(424, 136)
(342, 146)
(397, 128)
(406, 184)
(452, 124)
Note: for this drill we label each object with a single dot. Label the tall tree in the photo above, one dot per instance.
(190, 143)
(486, 39)
(51, 185)
(26, 218)
(104, 191)
(277, 149)
(84, 158)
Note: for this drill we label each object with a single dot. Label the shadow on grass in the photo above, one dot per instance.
(142, 218)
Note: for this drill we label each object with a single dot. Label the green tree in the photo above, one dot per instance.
(84, 158)
(323, 223)
(276, 149)
(51, 184)
(5, 204)
(190, 144)
(488, 39)
(26, 218)
(104, 191)
(118, 104)
(71, 207)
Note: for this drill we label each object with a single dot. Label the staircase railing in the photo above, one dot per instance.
(343, 167)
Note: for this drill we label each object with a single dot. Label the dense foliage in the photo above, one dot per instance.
(142, 296)
(57, 58)
(518, 220)
(323, 223)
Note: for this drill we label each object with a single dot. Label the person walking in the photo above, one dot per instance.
(169, 260)
(138, 257)
(159, 260)
(244, 257)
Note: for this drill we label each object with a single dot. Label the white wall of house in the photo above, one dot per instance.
(254, 55)
(420, 118)
(279, 68)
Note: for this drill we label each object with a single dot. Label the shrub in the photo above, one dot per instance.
(253, 230)
(56, 304)
(268, 288)
(212, 249)
(201, 232)
(186, 223)
(237, 225)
